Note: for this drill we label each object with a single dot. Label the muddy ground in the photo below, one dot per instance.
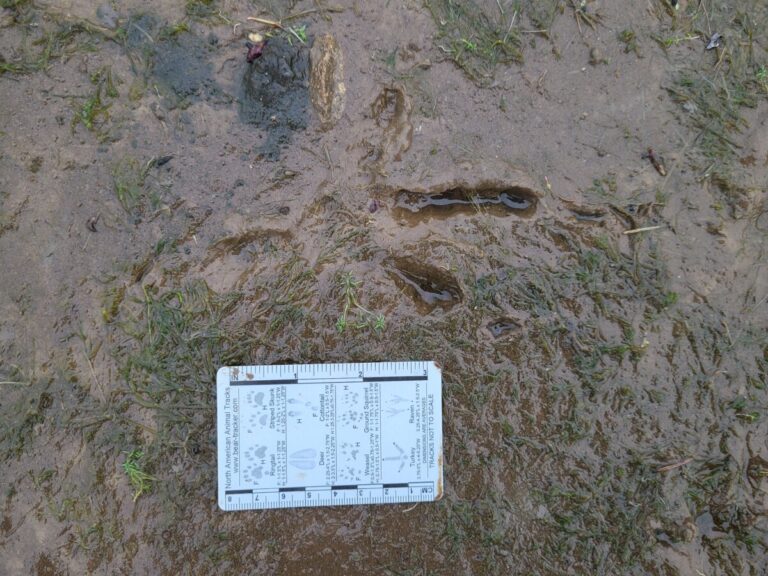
(482, 181)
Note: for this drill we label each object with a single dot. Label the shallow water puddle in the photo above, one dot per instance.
(503, 202)
(586, 214)
(429, 287)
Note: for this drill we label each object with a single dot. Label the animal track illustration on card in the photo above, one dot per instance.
(317, 435)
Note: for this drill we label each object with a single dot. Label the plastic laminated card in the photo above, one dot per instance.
(329, 434)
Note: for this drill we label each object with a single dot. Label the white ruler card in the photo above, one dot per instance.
(329, 434)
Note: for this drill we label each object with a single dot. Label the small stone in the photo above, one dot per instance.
(326, 80)
(596, 57)
(714, 41)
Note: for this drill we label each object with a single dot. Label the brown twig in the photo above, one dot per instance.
(669, 467)
(638, 230)
(267, 22)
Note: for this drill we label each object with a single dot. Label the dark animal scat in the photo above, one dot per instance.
(275, 94)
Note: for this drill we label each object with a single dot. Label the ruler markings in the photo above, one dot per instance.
(236, 419)
(263, 382)
(341, 408)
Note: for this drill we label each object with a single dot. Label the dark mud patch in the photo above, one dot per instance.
(184, 73)
(428, 286)
(498, 201)
(275, 95)
(175, 61)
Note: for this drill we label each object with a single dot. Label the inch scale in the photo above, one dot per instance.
(329, 434)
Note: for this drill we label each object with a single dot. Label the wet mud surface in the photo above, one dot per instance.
(478, 179)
